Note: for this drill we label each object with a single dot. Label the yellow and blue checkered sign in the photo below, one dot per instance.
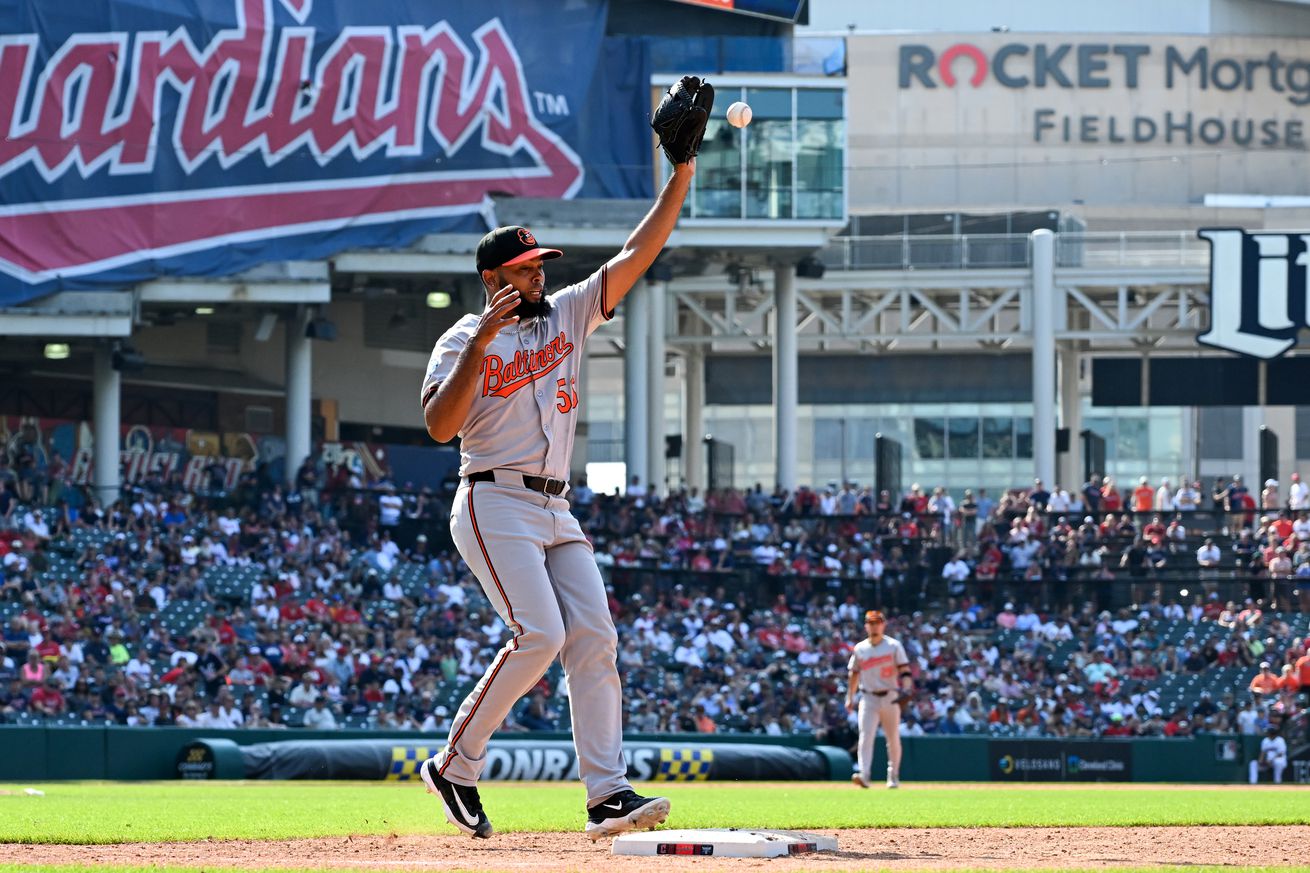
(405, 761)
(684, 765)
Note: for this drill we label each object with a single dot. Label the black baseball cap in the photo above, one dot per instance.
(510, 245)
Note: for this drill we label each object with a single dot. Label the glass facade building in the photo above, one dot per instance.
(788, 163)
(955, 445)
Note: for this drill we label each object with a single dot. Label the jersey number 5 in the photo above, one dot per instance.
(567, 394)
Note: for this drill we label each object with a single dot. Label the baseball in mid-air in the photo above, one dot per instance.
(739, 114)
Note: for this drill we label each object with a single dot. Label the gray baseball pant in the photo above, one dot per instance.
(539, 572)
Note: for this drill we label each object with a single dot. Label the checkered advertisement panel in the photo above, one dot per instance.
(684, 765)
(405, 761)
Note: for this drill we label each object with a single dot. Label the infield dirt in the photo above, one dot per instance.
(884, 849)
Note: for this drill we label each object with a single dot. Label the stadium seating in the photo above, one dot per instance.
(788, 582)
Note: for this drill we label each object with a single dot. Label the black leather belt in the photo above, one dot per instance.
(877, 693)
(554, 487)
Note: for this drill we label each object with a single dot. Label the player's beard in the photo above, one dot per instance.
(526, 308)
(532, 308)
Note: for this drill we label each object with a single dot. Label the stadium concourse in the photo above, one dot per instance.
(339, 603)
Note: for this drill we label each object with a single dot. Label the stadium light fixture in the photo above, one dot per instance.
(57, 351)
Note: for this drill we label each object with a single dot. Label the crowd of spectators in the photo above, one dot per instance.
(350, 610)
(923, 541)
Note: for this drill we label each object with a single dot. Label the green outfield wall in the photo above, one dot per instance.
(54, 753)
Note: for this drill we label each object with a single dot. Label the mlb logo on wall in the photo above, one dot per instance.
(1258, 300)
(141, 140)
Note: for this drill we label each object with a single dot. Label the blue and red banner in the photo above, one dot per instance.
(201, 137)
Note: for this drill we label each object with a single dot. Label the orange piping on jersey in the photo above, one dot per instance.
(605, 308)
(504, 654)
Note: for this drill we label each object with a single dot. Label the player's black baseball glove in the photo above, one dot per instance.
(681, 117)
(904, 700)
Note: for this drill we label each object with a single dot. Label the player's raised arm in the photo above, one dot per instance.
(446, 409)
(679, 121)
(647, 241)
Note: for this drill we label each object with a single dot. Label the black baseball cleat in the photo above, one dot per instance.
(625, 810)
(461, 803)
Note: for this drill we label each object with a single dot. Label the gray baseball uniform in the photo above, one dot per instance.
(879, 668)
(525, 547)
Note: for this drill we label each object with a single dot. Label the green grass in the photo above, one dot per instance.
(178, 811)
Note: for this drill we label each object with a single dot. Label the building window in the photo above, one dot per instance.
(862, 436)
(1219, 429)
(717, 188)
(963, 438)
(828, 436)
(1132, 437)
(998, 438)
(1023, 437)
(1302, 432)
(769, 153)
(788, 163)
(930, 437)
(820, 153)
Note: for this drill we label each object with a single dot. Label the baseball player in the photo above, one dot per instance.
(879, 683)
(506, 382)
(1273, 756)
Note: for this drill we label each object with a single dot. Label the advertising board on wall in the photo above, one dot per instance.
(1009, 119)
(199, 139)
(1060, 761)
(650, 760)
(196, 459)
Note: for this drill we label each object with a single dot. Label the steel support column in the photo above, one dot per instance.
(1043, 364)
(1071, 417)
(107, 411)
(299, 381)
(635, 356)
(693, 443)
(785, 381)
(656, 305)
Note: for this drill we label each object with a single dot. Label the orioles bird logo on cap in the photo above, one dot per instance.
(526, 237)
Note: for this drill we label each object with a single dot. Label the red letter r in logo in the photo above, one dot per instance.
(963, 48)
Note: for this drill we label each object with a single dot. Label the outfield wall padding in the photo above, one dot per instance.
(1212, 758)
(550, 760)
(130, 753)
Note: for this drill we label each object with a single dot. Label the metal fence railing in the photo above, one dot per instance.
(1013, 251)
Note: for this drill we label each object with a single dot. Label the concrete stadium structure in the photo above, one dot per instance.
(936, 225)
